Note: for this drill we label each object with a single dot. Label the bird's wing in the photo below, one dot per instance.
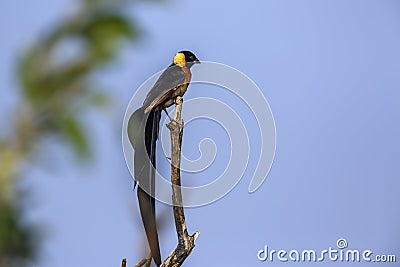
(169, 80)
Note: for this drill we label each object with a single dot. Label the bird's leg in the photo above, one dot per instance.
(174, 123)
(166, 112)
(172, 120)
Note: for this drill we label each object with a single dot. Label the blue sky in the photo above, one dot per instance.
(330, 72)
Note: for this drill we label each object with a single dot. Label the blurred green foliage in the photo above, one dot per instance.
(52, 86)
(56, 85)
(16, 240)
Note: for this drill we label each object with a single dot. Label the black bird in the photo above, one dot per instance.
(143, 128)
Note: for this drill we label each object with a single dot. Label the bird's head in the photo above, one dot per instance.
(185, 57)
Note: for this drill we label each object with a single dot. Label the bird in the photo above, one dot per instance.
(143, 128)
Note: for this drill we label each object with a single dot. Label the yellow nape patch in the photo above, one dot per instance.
(179, 59)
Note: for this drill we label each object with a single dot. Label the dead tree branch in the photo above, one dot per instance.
(144, 262)
(185, 241)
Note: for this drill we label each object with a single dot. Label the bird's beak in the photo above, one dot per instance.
(197, 61)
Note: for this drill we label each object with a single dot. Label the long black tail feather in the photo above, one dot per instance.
(143, 134)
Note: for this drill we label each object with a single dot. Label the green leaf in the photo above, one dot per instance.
(104, 33)
(74, 133)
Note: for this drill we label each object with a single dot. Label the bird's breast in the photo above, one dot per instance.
(181, 89)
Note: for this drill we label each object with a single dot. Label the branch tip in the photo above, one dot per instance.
(123, 264)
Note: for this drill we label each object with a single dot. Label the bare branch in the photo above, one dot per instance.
(144, 262)
(186, 243)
